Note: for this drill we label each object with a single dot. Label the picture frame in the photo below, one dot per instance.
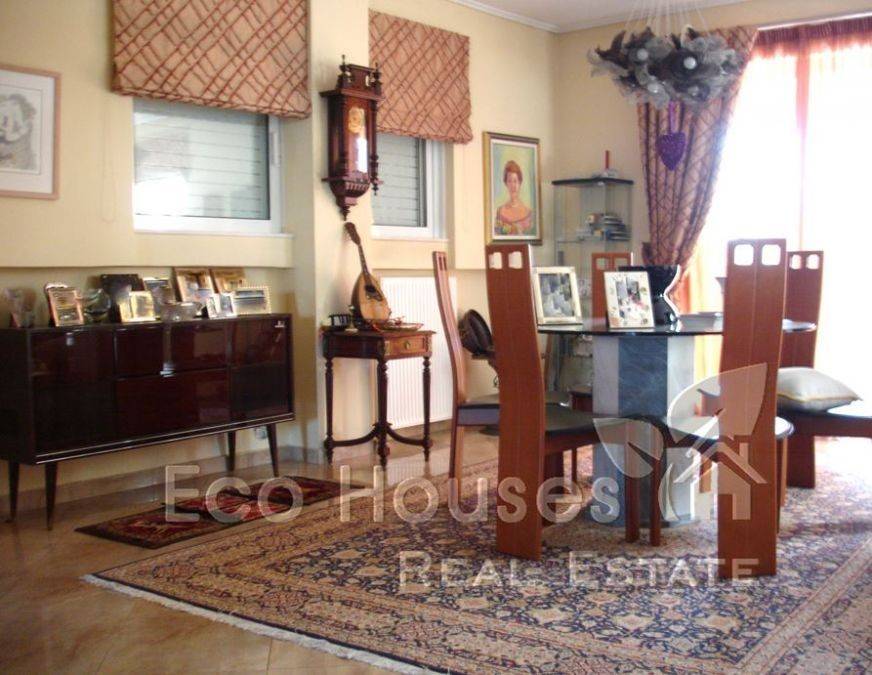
(193, 284)
(228, 279)
(137, 307)
(21, 303)
(252, 300)
(628, 300)
(30, 136)
(65, 306)
(226, 305)
(555, 290)
(512, 189)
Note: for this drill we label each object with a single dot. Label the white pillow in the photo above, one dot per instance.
(810, 390)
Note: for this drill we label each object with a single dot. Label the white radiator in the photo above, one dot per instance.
(414, 299)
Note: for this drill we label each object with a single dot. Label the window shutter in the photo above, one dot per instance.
(399, 199)
(198, 162)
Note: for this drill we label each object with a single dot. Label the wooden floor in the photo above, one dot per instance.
(51, 621)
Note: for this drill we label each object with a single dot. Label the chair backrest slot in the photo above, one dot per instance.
(449, 325)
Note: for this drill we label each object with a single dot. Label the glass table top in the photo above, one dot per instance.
(689, 325)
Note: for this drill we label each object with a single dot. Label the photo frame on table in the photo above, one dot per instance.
(194, 284)
(555, 290)
(226, 305)
(252, 300)
(65, 306)
(628, 300)
(228, 279)
(512, 189)
(137, 307)
(29, 132)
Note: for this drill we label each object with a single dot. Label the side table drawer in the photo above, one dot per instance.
(400, 347)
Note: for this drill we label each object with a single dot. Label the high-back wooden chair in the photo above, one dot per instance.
(805, 275)
(466, 412)
(745, 443)
(533, 436)
(600, 263)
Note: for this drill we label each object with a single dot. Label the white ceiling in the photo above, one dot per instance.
(560, 16)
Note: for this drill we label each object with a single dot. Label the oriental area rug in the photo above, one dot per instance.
(150, 529)
(435, 595)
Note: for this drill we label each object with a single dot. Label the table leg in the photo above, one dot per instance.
(328, 442)
(382, 424)
(51, 482)
(273, 447)
(428, 442)
(14, 469)
(231, 450)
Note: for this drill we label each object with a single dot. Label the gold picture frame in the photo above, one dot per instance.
(194, 284)
(65, 306)
(228, 279)
(512, 189)
(137, 307)
(252, 300)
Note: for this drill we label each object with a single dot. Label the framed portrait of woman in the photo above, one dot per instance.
(512, 189)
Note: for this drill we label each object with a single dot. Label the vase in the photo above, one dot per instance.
(662, 279)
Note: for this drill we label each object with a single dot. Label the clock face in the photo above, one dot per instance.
(357, 145)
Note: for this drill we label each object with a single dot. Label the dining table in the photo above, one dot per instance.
(639, 372)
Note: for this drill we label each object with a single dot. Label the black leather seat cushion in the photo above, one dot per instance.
(694, 429)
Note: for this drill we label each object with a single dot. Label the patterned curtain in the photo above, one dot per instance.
(243, 54)
(425, 79)
(679, 200)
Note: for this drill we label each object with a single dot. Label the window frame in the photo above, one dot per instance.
(166, 224)
(432, 184)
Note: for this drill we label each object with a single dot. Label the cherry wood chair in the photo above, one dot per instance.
(805, 274)
(533, 436)
(749, 486)
(466, 412)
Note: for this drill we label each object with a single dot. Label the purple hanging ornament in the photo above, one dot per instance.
(670, 147)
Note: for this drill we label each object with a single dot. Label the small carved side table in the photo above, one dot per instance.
(381, 347)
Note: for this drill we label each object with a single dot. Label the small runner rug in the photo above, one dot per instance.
(150, 529)
(588, 606)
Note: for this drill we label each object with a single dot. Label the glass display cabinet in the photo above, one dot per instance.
(591, 215)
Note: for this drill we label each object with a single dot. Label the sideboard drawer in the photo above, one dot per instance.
(73, 415)
(198, 346)
(156, 404)
(140, 350)
(260, 341)
(260, 390)
(415, 345)
(72, 357)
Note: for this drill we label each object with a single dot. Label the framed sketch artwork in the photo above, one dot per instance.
(628, 300)
(29, 132)
(555, 290)
(512, 189)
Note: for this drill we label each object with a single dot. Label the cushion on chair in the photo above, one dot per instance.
(700, 428)
(561, 420)
(809, 390)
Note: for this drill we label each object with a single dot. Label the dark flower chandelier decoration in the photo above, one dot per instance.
(690, 67)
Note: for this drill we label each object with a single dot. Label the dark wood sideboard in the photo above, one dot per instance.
(79, 391)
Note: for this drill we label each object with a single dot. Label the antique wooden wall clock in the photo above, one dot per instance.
(352, 156)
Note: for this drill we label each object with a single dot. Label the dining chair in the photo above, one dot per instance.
(805, 273)
(466, 412)
(744, 438)
(533, 436)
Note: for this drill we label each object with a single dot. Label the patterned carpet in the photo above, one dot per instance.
(588, 606)
(150, 529)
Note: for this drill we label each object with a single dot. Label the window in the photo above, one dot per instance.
(201, 169)
(410, 203)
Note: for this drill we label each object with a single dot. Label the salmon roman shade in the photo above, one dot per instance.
(425, 79)
(243, 54)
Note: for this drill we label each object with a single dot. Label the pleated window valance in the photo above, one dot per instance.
(425, 79)
(242, 54)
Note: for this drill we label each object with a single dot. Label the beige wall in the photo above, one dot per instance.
(523, 81)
